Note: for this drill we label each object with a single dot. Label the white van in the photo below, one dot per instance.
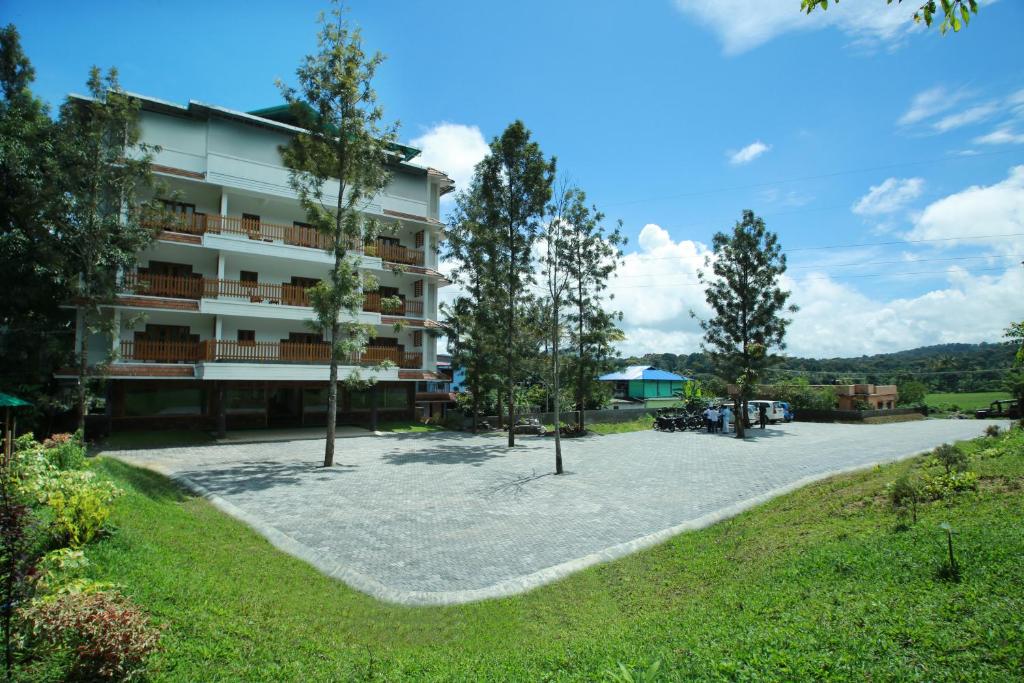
(776, 412)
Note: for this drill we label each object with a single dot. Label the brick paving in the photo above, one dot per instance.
(446, 517)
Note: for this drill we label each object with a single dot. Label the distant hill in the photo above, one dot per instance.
(943, 367)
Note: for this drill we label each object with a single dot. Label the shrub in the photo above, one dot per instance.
(992, 431)
(950, 457)
(938, 486)
(80, 503)
(904, 493)
(107, 637)
(65, 451)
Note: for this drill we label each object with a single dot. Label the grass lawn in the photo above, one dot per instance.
(407, 426)
(638, 425)
(966, 402)
(815, 584)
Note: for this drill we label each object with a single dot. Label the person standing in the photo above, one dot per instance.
(762, 410)
(712, 419)
(726, 419)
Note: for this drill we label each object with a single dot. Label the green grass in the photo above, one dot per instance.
(813, 585)
(155, 439)
(967, 402)
(408, 426)
(638, 425)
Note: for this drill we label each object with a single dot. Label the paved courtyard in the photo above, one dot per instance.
(447, 517)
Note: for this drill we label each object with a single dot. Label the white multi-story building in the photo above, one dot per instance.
(214, 321)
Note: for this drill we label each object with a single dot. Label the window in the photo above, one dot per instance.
(304, 282)
(247, 337)
(390, 241)
(167, 333)
(392, 398)
(249, 276)
(314, 400)
(417, 338)
(304, 337)
(417, 288)
(245, 399)
(168, 268)
(389, 342)
(419, 239)
(151, 400)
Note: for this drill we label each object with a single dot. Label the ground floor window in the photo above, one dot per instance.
(245, 399)
(144, 400)
(314, 400)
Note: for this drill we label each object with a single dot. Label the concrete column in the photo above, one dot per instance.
(222, 420)
(220, 265)
(429, 258)
(373, 408)
(115, 338)
(218, 327)
(223, 203)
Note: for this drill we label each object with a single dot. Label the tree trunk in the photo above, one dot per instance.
(558, 417)
(741, 418)
(501, 411)
(83, 375)
(580, 378)
(332, 401)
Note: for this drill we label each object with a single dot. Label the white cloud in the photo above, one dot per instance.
(891, 195)
(1003, 135)
(453, 148)
(931, 102)
(742, 25)
(974, 114)
(972, 214)
(748, 153)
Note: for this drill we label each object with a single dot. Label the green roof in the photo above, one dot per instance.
(282, 113)
(8, 401)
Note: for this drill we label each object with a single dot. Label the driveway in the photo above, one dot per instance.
(446, 517)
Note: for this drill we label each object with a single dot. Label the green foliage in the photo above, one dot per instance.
(344, 141)
(936, 486)
(904, 494)
(955, 14)
(80, 503)
(643, 674)
(742, 290)
(950, 457)
(911, 393)
(106, 637)
(65, 451)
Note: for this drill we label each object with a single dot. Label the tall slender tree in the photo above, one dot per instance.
(592, 254)
(515, 181)
(471, 320)
(742, 289)
(104, 173)
(337, 164)
(32, 276)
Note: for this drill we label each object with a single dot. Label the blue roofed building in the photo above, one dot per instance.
(646, 384)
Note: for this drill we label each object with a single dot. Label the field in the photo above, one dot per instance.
(966, 402)
(820, 583)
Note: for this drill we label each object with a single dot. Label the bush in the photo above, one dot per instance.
(950, 457)
(80, 504)
(938, 486)
(911, 393)
(992, 431)
(65, 451)
(903, 494)
(106, 636)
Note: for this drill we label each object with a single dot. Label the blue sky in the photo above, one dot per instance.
(846, 127)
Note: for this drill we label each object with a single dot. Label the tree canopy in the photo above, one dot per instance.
(955, 14)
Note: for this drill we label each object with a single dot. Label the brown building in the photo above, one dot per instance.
(854, 396)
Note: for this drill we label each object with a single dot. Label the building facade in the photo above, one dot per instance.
(215, 319)
(646, 385)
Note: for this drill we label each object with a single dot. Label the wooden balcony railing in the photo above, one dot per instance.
(179, 287)
(374, 303)
(296, 352)
(199, 224)
(161, 351)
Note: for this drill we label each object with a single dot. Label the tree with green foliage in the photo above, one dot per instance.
(515, 181)
(338, 163)
(104, 171)
(911, 393)
(1014, 382)
(742, 289)
(592, 254)
(34, 331)
(955, 14)
(470, 321)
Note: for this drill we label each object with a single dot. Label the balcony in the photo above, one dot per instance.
(213, 350)
(294, 235)
(179, 287)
